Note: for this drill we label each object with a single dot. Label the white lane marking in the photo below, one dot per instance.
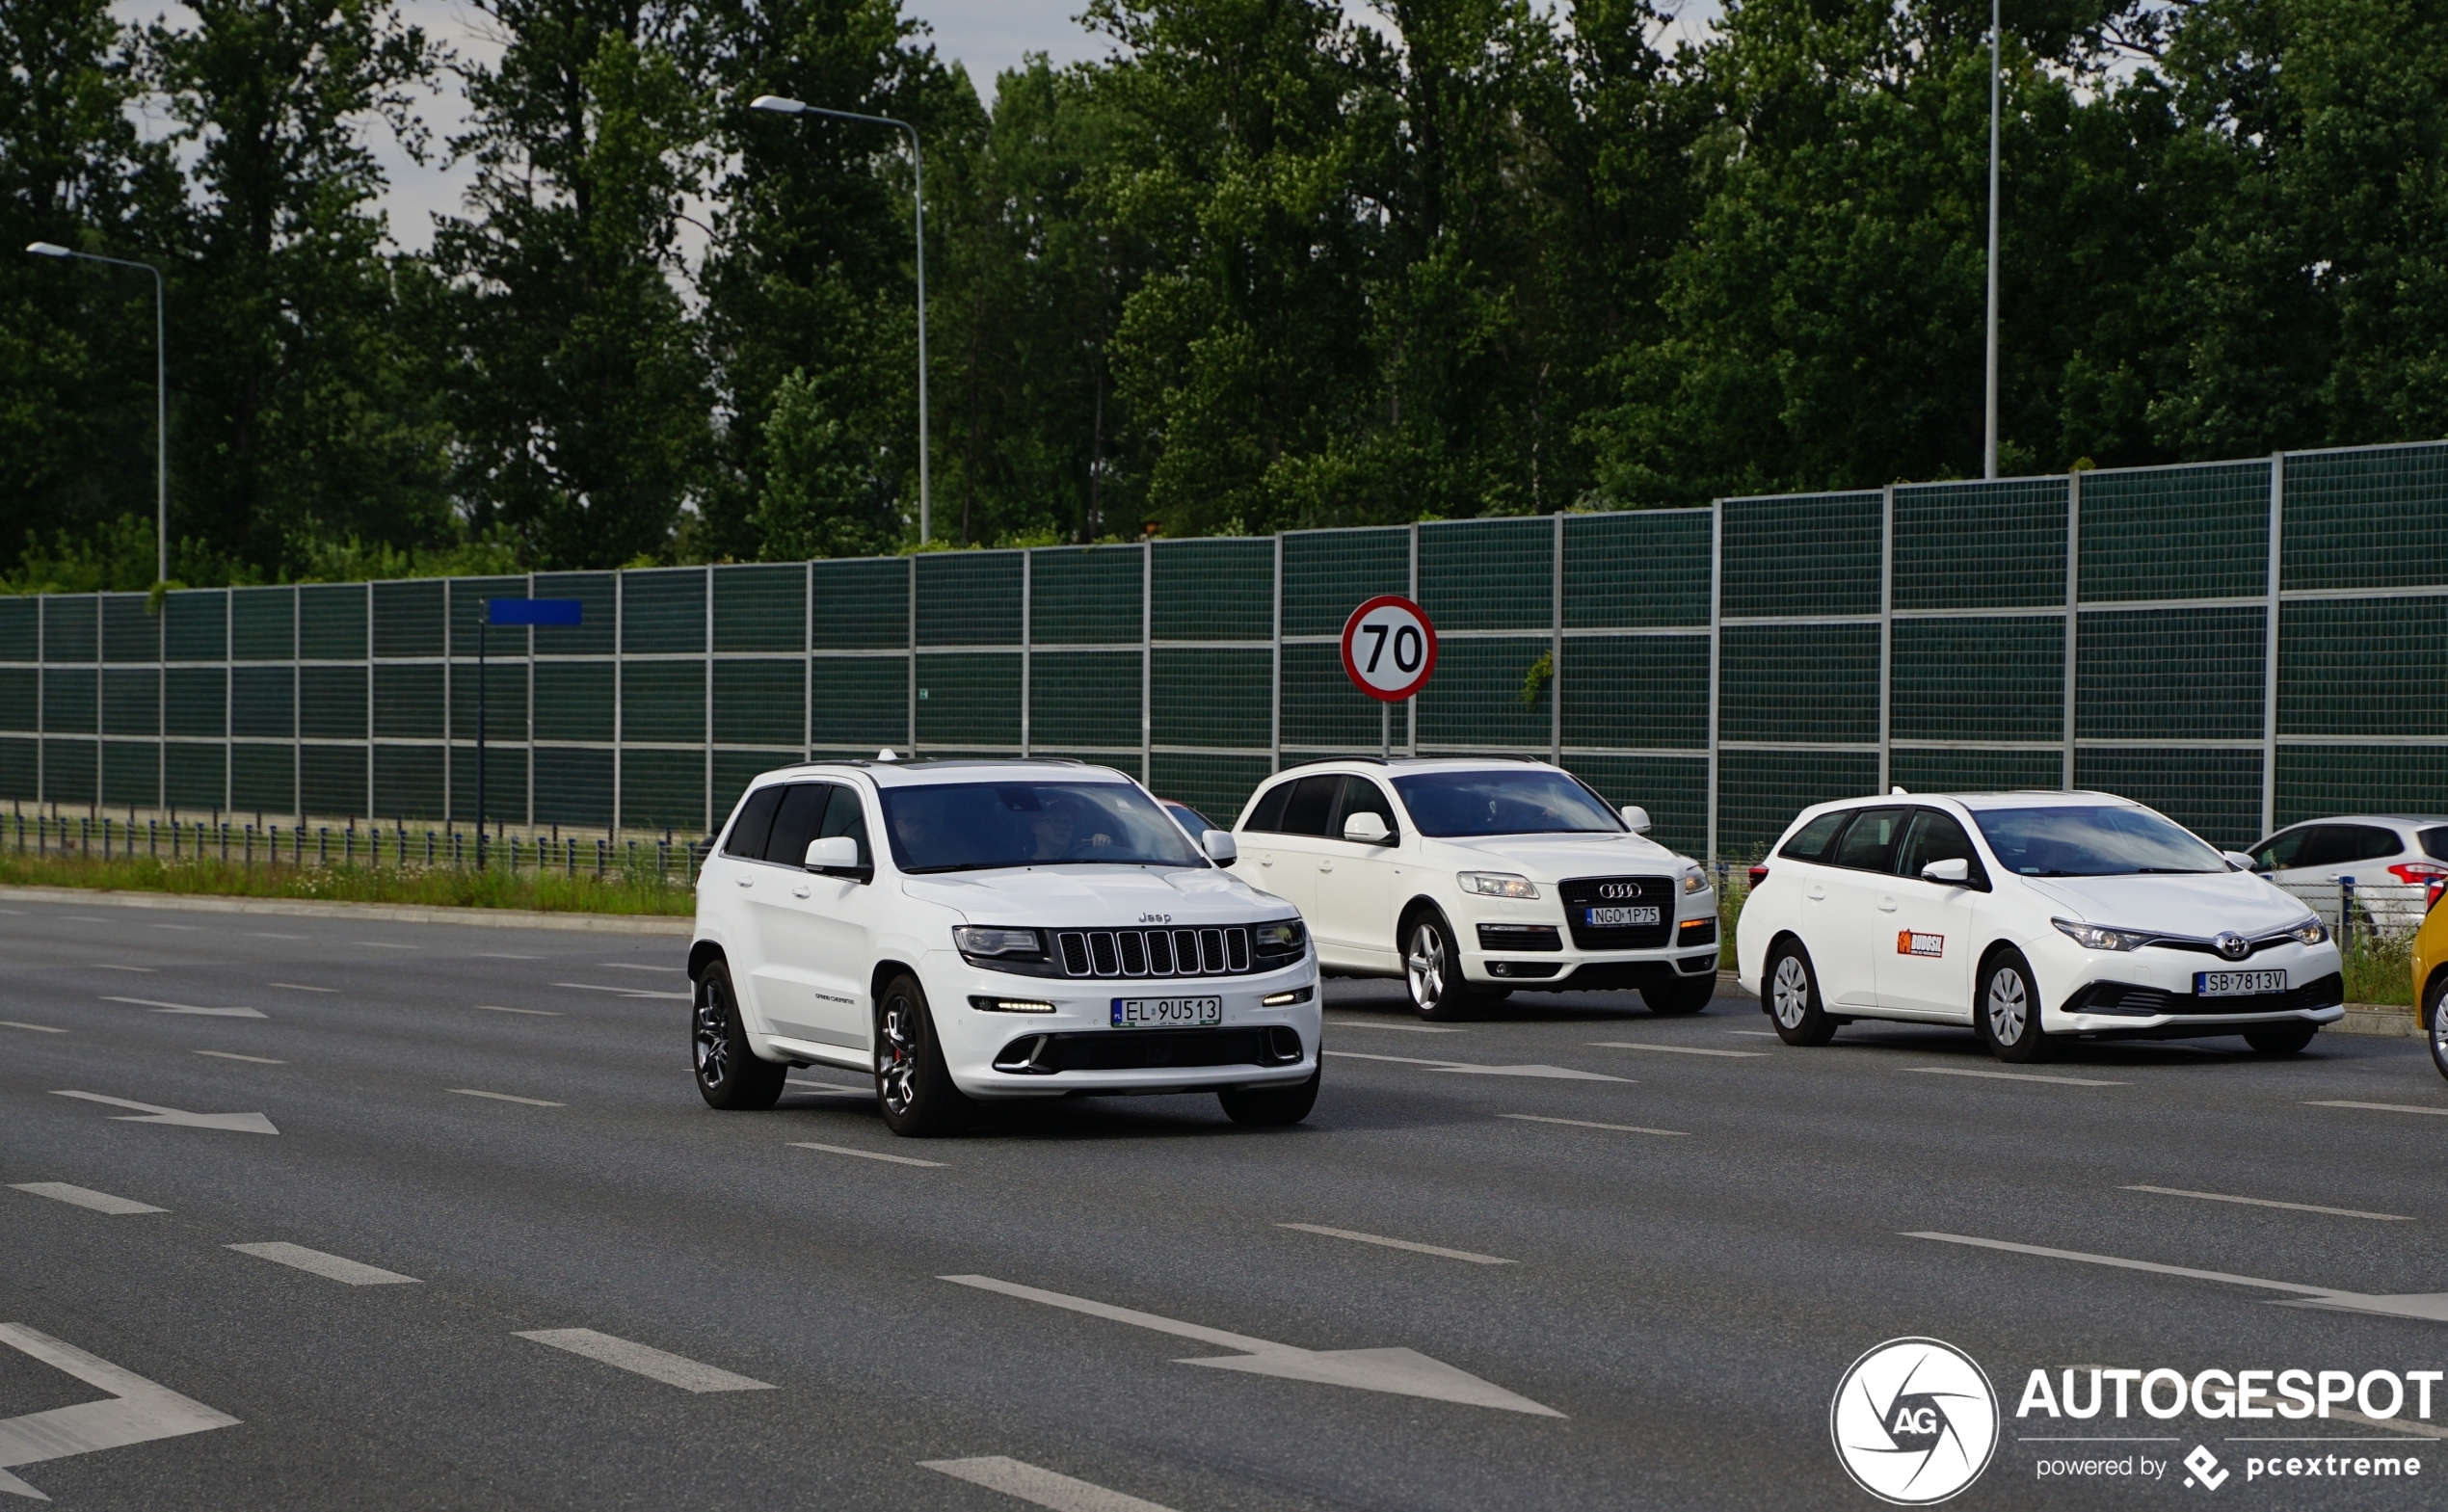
(504, 1096)
(1400, 1028)
(330, 1267)
(833, 1087)
(1400, 1244)
(2013, 1075)
(2425, 1306)
(107, 966)
(1582, 1122)
(137, 1411)
(184, 929)
(259, 1060)
(13, 913)
(626, 965)
(1753, 1034)
(539, 1013)
(149, 1113)
(301, 986)
(626, 991)
(2264, 1202)
(645, 1359)
(1404, 1372)
(86, 1197)
(208, 1012)
(1040, 1487)
(502, 955)
(258, 934)
(1674, 1050)
(2378, 1107)
(84, 919)
(868, 1154)
(39, 1028)
(2429, 1430)
(383, 944)
(1469, 1068)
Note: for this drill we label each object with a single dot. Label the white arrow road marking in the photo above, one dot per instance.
(626, 991)
(2423, 1306)
(84, 1197)
(1405, 1373)
(1471, 1069)
(137, 1412)
(330, 1267)
(209, 1013)
(240, 1123)
(644, 1360)
(1674, 1050)
(1040, 1487)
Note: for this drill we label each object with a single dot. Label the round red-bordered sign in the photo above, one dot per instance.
(1388, 648)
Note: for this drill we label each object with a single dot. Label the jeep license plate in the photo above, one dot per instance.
(2237, 984)
(1167, 1012)
(1604, 917)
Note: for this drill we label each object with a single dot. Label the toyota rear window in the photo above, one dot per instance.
(1810, 842)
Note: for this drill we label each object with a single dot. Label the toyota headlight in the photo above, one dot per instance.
(2311, 932)
(977, 941)
(1694, 879)
(2099, 937)
(1497, 885)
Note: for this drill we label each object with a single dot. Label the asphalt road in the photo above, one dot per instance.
(1699, 1230)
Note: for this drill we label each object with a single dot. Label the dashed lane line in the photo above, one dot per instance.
(1040, 1487)
(501, 955)
(1399, 1028)
(301, 986)
(39, 1028)
(184, 929)
(626, 991)
(1675, 1050)
(159, 1006)
(84, 1197)
(672, 1369)
(2424, 1307)
(1754, 1034)
(1582, 1122)
(2014, 1076)
(2379, 1107)
(1472, 1069)
(261, 934)
(1414, 1247)
(383, 944)
(258, 1060)
(631, 966)
(106, 966)
(330, 1267)
(2264, 1202)
(504, 1096)
(539, 1013)
(868, 1154)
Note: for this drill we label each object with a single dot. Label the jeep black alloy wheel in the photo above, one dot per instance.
(729, 1074)
(1792, 998)
(2008, 1010)
(912, 1088)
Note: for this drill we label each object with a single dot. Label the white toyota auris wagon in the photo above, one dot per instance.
(968, 930)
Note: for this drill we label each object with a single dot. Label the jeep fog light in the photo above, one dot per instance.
(1298, 994)
(985, 1004)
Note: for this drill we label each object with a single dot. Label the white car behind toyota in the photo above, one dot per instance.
(2028, 917)
(968, 930)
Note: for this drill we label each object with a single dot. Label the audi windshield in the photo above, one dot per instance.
(982, 826)
(2119, 842)
(1455, 804)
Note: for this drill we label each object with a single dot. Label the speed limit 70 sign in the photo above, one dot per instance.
(1388, 648)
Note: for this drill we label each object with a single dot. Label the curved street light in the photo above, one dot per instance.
(161, 398)
(781, 106)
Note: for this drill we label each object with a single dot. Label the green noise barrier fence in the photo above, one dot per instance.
(2241, 645)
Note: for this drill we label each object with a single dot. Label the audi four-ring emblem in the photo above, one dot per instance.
(1619, 889)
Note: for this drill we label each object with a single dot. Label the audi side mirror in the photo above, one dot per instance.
(836, 855)
(1636, 818)
(1955, 871)
(1368, 829)
(1220, 846)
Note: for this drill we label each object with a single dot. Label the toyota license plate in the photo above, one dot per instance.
(2237, 984)
(1167, 1012)
(1602, 918)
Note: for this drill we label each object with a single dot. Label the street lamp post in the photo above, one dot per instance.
(1989, 426)
(161, 398)
(791, 107)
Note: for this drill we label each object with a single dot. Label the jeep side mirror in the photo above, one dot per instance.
(835, 856)
(1636, 818)
(1954, 870)
(1220, 846)
(1368, 829)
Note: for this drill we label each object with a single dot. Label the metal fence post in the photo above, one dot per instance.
(1886, 631)
(2073, 616)
(705, 795)
(2269, 649)
(1716, 613)
(1275, 669)
(912, 749)
(1411, 704)
(1555, 649)
(619, 682)
(296, 696)
(1028, 642)
(1147, 658)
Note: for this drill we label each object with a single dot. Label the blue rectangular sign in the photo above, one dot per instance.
(533, 611)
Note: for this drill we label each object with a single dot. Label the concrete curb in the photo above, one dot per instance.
(386, 912)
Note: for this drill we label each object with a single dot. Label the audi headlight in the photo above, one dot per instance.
(2311, 932)
(1694, 879)
(2099, 937)
(975, 940)
(1497, 885)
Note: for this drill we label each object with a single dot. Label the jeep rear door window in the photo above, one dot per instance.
(1530, 800)
(981, 826)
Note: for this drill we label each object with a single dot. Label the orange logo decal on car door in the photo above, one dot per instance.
(1913, 942)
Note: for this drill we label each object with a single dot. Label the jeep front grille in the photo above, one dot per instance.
(1154, 952)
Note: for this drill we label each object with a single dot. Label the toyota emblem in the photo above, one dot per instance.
(2232, 945)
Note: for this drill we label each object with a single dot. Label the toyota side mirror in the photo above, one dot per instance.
(1368, 829)
(1955, 871)
(1636, 818)
(1220, 846)
(2241, 861)
(836, 855)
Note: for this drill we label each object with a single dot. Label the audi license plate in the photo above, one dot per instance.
(1167, 1012)
(1602, 918)
(2237, 984)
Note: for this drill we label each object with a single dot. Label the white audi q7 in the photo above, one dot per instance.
(970, 930)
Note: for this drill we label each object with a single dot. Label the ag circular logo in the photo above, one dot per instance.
(1915, 1420)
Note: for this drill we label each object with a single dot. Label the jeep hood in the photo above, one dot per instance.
(1096, 897)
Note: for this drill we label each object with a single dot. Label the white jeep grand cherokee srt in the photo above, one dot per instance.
(1022, 928)
(1471, 878)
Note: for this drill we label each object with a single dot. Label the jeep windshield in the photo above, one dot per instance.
(2119, 842)
(984, 826)
(1452, 805)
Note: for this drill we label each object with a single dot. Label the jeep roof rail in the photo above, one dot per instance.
(1320, 760)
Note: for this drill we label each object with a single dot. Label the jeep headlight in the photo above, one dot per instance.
(2311, 932)
(1694, 879)
(977, 941)
(1281, 938)
(1497, 885)
(2099, 937)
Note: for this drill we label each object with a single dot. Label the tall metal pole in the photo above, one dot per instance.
(1989, 427)
(161, 394)
(918, 215)
(484, 621)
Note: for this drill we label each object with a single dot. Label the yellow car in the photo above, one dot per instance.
(2431, 977)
